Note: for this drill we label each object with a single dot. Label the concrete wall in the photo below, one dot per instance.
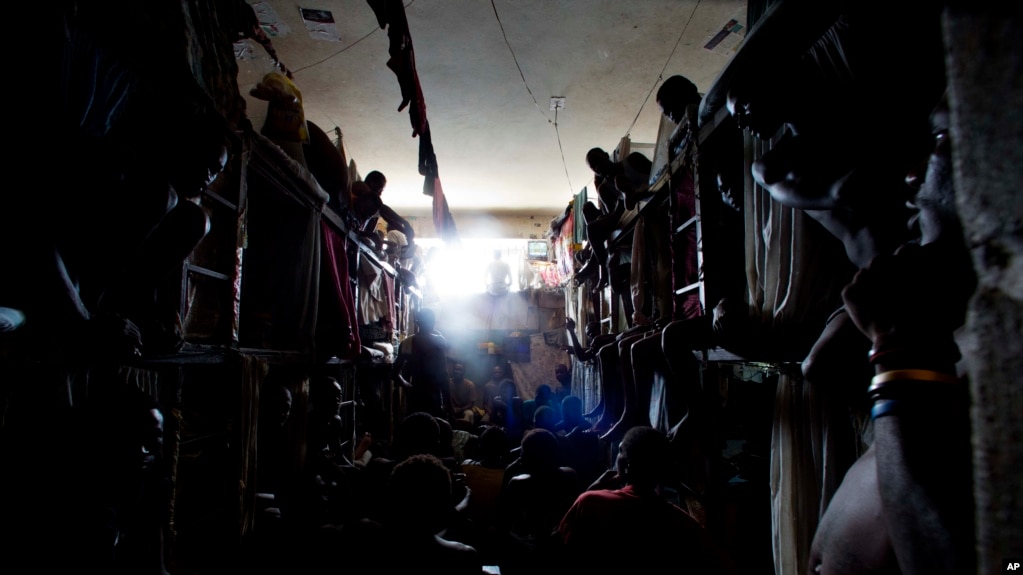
(985, 73)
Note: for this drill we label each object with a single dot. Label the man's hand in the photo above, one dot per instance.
(917, 296)
(569, 323)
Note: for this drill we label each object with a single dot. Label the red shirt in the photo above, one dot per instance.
(622, 526)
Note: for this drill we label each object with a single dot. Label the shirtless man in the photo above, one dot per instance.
(906, 502)
(848, 179)
(424, 355)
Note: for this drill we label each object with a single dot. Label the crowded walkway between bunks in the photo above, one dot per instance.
(774, 341)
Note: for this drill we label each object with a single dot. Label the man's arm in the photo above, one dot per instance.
(576, 349)
(397, 371)
(397, 222)
(921, 408)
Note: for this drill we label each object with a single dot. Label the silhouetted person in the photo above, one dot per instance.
(421, 367)
(534, 500)
(563, 377)
(634, 527)
(464, 399)
(419, 508)
(907, 500)
(589, 354)
(498, 275)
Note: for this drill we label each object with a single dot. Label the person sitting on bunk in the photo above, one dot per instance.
(627, 179)
(601, 221)
(903, 501)
(679, 101)
(377, 182)
(130, 306)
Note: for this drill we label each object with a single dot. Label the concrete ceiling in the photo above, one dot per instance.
(496, 149)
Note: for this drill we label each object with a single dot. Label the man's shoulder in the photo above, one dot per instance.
(598, 497)
(638, 161)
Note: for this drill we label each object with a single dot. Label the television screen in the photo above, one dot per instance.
(537, 249)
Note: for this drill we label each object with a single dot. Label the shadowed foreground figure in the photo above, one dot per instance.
(420, 508)
(634, 527)
(907, 501)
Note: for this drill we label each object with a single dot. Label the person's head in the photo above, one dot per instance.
(761, 112)
(506, 390)
(544, 394)
(937, 218)
(327, 394)
(599, 161)
(563, 375)
(497, 374)
(457, 371)
(545, 418)
(643, 457)
(364, 202)
(500, 412)
(418, 433)
(493, 444)
(539, 451)
(497, 254)
(276, 404)
(931, 180)
(426, 320)
(420, 494)
(674, 95)
(195, 166)
(445, 440)
(125, 425)
(592, 329)
(376, 182)
(572, 409)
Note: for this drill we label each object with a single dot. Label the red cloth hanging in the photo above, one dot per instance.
(338, 325)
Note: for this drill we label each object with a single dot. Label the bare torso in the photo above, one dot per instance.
(852, 536)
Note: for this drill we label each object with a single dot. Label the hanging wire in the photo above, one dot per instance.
(660, 76)
(563, 163)
(557, 132)
(342, 50)
(523, 76)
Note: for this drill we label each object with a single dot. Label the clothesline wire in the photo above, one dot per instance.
(342, 50)
(660, 76)
(557, 132)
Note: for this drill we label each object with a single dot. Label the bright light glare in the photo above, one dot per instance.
(455, 270)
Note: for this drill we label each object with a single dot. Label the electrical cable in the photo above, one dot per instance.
(660, 76)
(563, 163)
(522, 75)
(342, 50)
